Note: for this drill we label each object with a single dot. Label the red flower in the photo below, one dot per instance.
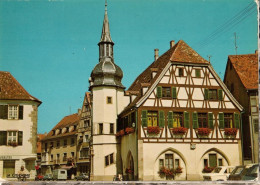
(128, 170)
(230, 131)
(153, 130)
(204, 131)
(120, 133)
(129, 130)
(178, 169)
(208, 169)
(166, 172)
(179, 130)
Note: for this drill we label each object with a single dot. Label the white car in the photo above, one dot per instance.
(220, 173)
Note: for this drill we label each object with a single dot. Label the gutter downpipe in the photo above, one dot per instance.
(242, 141)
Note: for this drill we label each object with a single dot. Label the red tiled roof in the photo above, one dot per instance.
(39, 145)
(246, 67)
(11, 89)
(180, 52)
(67, 121)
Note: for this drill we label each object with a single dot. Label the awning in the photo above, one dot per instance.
(66, 167)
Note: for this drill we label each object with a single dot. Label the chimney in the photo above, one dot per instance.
(156, 54)
(172, 43)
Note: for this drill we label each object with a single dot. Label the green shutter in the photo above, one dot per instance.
(220, 95)
(221, 120)
(206, 94)
(186, 120)
(236, 118)
(195, 120)
(170, 119)
(3, 137)
(197, 72)
(210, 121)
(144, 118)
(174, 93)
(20, 138)
(161, 119)
(159, 92)
(20, 112)
(3, 111)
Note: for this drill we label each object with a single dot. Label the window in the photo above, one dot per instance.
(253, 105)
(177, 119)
(161, 163)
(169, 161)
(12, 137)
(72, 141)
(220, 162)
(109, 159)
(166, 92)
(176, 163)
(64, 156)
(202, 120)
(197, 73)
(213, 94)
(152, 118)
(11, 112)
(45, 147)
(181, 72)
(228, 120)
(65, 142)
(58, 157)
(84, 153)
(100, 128)
(212, 160)
(72, 154)
(256, 125)
(107, 49)
(205, 162)
(109, 100)
(86, 137)
(51, 157)
(58, 144)
(51, 145)
(111, 128)
(86, 123)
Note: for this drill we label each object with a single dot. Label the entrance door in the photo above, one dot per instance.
(9, 168)
(212, 160)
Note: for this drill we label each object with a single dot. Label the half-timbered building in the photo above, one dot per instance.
(181, 118)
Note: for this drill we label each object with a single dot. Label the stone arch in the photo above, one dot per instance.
(217, 151)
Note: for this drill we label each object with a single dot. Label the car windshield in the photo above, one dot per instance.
(238, 170)
(217, 170)
(252, 171)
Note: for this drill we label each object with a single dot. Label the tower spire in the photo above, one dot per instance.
(105, 36)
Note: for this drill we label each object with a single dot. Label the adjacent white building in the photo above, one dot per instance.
(18, 127)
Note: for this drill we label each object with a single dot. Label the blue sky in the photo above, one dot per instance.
(50, 47)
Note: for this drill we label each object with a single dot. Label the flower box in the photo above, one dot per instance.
(178, 170)
(204, 131)
(120, 133)
(129, 130)
(166, 172)
(153, 130)
(207, 169)
(230, 131)
(13, 143)
(179, 132)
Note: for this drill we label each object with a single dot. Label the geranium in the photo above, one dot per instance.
(178, 169)
(169, 173)
(204, 131)
(153, 130)
(179, 130)
(129, 130)
(207, 169)
(230, 131)
(129, 171)
(120, 133)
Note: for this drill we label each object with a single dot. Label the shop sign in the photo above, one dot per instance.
(4, 157)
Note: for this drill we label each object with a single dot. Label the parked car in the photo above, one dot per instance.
(220, 173)
(239, 172)
(39, 177)
(82, 177)
(48, 177)
(252, 173)
(59, 174)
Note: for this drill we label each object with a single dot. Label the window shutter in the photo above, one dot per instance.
(161, 119)
(206, 94)
(144, 118)
(220, 95)
(186, 120)
(221, 120)
(174, 93)
(170, 119)
(210, 120)
(195, 120)
(3, 111)
(20, 112)
(197, 73)
(159, 92)
(3, 137)
(236, 118)
(20, 138)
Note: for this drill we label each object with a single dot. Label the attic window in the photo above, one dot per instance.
(181, 72)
